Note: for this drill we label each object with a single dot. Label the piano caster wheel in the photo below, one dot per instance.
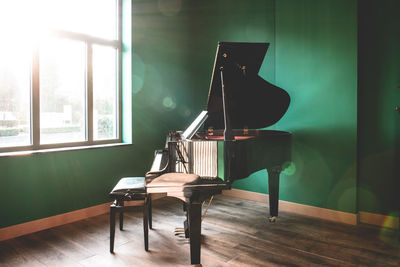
(272, 219)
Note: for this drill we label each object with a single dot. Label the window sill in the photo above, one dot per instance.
(60, 149)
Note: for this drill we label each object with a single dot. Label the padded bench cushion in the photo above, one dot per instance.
(129, 185)
(174, 179)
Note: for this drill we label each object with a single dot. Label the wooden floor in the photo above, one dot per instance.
(235, 233)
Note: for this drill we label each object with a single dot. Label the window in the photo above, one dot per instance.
(60, 73)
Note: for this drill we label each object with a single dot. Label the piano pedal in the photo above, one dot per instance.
(179, 232)
(182, 237)
(272, 219)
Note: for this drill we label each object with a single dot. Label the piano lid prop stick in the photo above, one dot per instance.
(228, 136)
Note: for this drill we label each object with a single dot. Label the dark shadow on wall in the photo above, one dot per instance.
(397, 158)
(378, 125)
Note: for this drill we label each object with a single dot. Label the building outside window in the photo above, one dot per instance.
(60, 73)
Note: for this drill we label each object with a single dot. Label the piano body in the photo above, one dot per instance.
(225, 142)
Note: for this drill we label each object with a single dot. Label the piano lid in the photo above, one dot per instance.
(252, 102)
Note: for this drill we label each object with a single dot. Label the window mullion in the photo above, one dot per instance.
(119, 71)
(35, 110)
(89, 94)
(119, 95)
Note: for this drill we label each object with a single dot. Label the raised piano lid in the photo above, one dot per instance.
(253, 103)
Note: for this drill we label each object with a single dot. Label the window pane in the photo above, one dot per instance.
(62, 91)
(94, 17)
(15, 84)
(104, 93)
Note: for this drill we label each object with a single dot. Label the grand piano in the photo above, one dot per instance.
(225, 142)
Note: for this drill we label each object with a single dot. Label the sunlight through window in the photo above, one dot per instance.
(104, 99)
(15, 88)
(59, 73)
(92, 17)
(62, 91)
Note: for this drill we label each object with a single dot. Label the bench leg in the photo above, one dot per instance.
(145, 224)
(121, 216)
(112, 227)
(150, 212)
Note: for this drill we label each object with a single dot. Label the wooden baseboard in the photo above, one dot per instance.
(57, 220)
(379, 220)
(321, 213)
(53, 221)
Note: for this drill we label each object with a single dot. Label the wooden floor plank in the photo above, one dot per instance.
(11, 257)
(34, 248)
(235, 233)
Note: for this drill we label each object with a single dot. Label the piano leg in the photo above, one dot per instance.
(273, 183)
(194, 214)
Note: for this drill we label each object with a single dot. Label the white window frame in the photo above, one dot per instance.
(35, 91)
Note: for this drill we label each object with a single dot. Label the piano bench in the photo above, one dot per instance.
(128, 189)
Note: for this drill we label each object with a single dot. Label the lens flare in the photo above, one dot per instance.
(184, 111)
(388, 233)
(169, 103)
(289, 168)
(138, 73)
(170, 7)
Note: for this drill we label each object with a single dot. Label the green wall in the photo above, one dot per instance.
(42, 185)
(379, 123)
(316, 62)
(321, 38)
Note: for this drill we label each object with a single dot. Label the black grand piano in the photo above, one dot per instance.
(225, 142)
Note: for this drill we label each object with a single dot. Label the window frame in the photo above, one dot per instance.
(89, 41)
